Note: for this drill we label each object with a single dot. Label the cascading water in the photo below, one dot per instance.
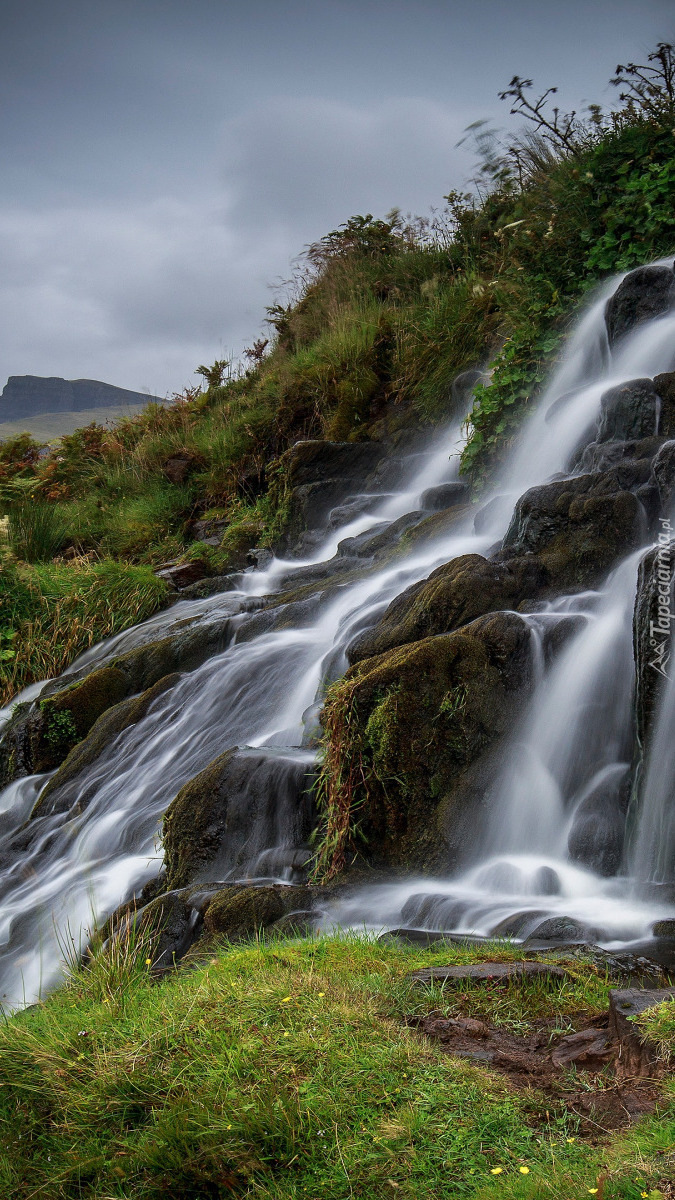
(261, 687)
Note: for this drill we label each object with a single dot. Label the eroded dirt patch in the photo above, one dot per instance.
(577, 1069)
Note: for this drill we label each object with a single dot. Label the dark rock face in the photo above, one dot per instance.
(579, 527)
(652, 627)
(665, 386)
(637, 1059)
(64, 790)
(31, 395)
(629, 411)
(316, 476)
(444, 496)
(645, 293)
(597, 835)
(226, 816)
(452, 596)
(663, 468)
(423, 718)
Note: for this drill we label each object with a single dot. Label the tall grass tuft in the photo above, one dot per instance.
(36, 531)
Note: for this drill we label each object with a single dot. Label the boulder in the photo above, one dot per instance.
(444, 496)
(636, 1058)
(182, 575)
(665, 387)
(312, 477)
(631, 410)
(598, 829)
(488, 973)
(645, 293)
(580, 527)
(64, 791)
(238, 913)
(452, 596)
(407, 733)
(39, 739)
(243, 803)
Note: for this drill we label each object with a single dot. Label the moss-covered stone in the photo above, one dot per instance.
(401, 730)
(194, 823)
(452, 596)
(42, 737)
(579, 528)
(237, 913)
(63, 789)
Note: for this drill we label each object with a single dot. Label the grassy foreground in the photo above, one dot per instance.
(285, 1070)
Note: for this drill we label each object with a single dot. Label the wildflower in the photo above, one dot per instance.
(524, 1170)
(496, 1170)
(287, 1035)
(571, 1140)
(286, 999)
(321, 993)
(592, 1191)
(148, 962)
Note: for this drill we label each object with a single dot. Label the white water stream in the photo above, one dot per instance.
(263, 689)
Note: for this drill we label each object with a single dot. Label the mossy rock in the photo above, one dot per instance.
(237, 913)
(236, 542)
(579, 528)
(41, 738)
(452, 596)
(210, 828)
(404, 727)
(64, 790)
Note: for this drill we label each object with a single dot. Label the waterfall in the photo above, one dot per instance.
(538, 861)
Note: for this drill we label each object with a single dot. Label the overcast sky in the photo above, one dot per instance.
(163, 162)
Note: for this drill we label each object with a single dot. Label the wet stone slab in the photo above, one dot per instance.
(488, 972)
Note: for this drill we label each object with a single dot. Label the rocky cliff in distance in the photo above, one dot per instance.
(30, 395)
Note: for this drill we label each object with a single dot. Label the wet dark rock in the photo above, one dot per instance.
(315, 461)
(517, 924)
(446, 495)
(597, 835)
(630, 410)
(179, 467)
(182, 575)
(175, 924)
(664, 475)
(645, 293)
(381, 537)
(64, 791)
(579, 527)
(654, 603)
(244, 802)
(260, 559)
(488, 972)
(239, 913)
(665, 386)
(422, 718)
(432, 911)
(452, 596)
(211, 586)
(561, 929)
(598, 457)
(547, 882)
(39, 739)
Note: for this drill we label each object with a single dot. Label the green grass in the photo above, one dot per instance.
(284, 1070)
(57, 611)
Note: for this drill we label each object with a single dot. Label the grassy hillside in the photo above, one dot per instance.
(385, 313)
(48, 427)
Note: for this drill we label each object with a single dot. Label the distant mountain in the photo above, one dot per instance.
(30, 395)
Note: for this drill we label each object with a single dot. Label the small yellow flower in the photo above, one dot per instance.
(286, 999)
(570, 1140)
(148, 962)
(524, 1170)
(592, 1191)
(321, 993)
(228, 1126)
(287, 1035)
(106, 1000)
(496, 1170)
